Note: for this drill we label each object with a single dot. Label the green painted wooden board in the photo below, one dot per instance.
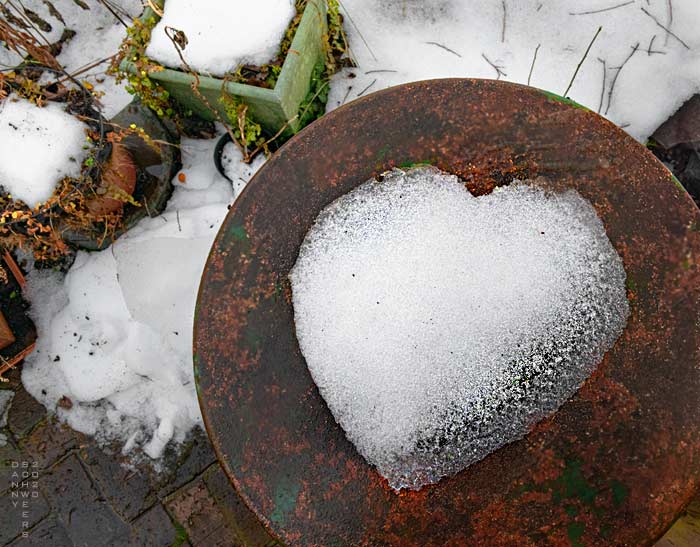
(272, 108)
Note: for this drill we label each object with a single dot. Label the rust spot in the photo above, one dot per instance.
(613, 466)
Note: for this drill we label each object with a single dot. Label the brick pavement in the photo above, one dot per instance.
(76, 494)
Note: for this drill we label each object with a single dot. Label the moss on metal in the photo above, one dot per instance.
(564, 100)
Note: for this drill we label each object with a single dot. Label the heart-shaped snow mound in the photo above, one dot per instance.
(439, 326)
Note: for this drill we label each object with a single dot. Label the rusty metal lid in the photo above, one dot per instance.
(614, 465)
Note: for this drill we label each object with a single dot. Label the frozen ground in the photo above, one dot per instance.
(439, 326)
(29, 132)
(636, 73)
(221, 35)
(137, 384)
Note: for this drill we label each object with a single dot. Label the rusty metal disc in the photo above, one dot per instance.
(613, 466)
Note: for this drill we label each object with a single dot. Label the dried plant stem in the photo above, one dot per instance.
(497, 68)
(503, 25)
(652, 51)
(617, 74)
(602, 89)
(443, 47)
(532, 66)
(668, 31)
(358, 31)
(582, 60)
(170, 33)
(111, 10)
(602, 10)
(366, 88)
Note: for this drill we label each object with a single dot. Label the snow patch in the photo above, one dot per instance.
(115, 334)
(636, 74)
(221, 35)
(239, 174)
(39, 146)
(439, 326)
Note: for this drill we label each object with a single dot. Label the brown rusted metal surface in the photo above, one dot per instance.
(613, 466)
(13, 353)
(6, 336)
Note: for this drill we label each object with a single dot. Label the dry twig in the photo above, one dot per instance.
(668, 31)
(617, 74)
(111, 10)
(582, 60)
(532, 66)
(602, 10)
(503, 26)
(175, 37)
(347, 94)
(602, 89)
(651, 51)
(366, 88)
(442, 47)
(497, 68)
(358, 31)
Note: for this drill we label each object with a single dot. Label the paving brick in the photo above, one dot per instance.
(6, 396)
(128, 491)
(49, 533)
(154, 528)
(49, 442)
(86, 516)
(14, 379)
(22, 508)
(241, 520)
(196, 510)
(185, 462)
(25, 412)
(9, 453)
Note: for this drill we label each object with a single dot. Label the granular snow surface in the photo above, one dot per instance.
(439, 326)
(636, 73)
(221, 35)
(39, 146)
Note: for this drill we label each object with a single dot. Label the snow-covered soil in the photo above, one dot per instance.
(127, 370)
(636, 73)
(221, 35)
(39, 146)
